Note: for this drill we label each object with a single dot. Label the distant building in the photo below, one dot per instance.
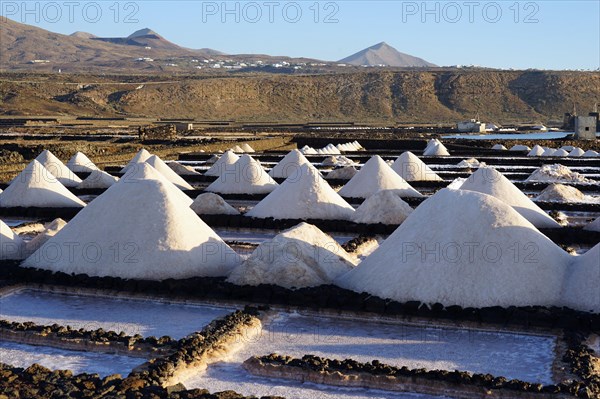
(471, 126)
(585, 127)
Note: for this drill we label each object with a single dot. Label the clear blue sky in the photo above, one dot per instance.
(506, 34)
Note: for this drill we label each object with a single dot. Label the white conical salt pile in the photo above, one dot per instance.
(384, 207)
(519, 147)
(457, 183)
(246, 176)
(246, 148)
(212, 204)
(557, 192)
(411, 168)
(499, 147)
(556, 173)
(489, 181)
(548, 152)
(436, 150)
(306, 196)
(141, 156)
(167, 172)
(50, 230)
(228, 158)
(144, 171)
(306, 150)
(567, 148)
(12, 246)
(182, 170)
(36, 187)
(536, 151)
(576, 152)
(470, 163)
(81, 163)
(98, 179)
(431, 143)
(345, 173)
(485, 255)
(376, 175)
(581, 290)
(590, 154)
(58, 169)
(237, 149)
(289, 165)
(338, 160)
(302, 256)
(212, 159)
(594, 226)
(137, 230)
(560, 153)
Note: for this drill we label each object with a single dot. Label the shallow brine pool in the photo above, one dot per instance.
(133, 316)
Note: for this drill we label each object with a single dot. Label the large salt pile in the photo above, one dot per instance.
(436, 149)
(80, 163)
(576, 152)
(289, 165)
(499, 147)
(581, 290)
(141, 156)
(226, 160)
(36, 187)
(384, 207)
(536, 151)
(485, 255)
(302, 256)
(556, 173)
(144, 171)
(58, 169)
(411, 168)
(590, 154)
(246, 176)
(11, 245)
(557, 192)
(98, 179)
(167, 172)
(376, 175)
(50, 230)
(489, 181)
(182, 170)
(594, 226)
(246, 148)
(212, 204)
(519, 147)
(307, 196)
(137, 230)
(345, 173)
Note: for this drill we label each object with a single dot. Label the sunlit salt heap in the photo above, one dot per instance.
(499, 147)
(246, 148)
(576, 152)
(557, 192)
(435, 148)
(138, 229)
(289, 165)
(246, 176)
(536, 151)
(306, 196)
(489, 181)
(302, 256)
(144, 171)
(228, 158)
(376, 175)
(182, 170)
(548, 152)
(519, 147)
(237, 149)
(338, 160)
(58, 169)
(141, 156)
(50, 230)
(466, 258)
(36, 187)
(594, 226)
(581, 290)
(560, 153)
(556, 173)
(80, 163)
(167, 172)
(384, 207)
(11, 245)
(98, 179)
(411, 168)
(345, 173)
(590, 154)
(470, 163)
(212, 204)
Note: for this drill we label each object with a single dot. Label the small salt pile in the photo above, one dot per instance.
(246, 148)
(489, 181)
(345, 173)
(12, 246)
(590, 154)
(338, 160)
(567, 148)
(435, 148)
(411, 168)
(576, 152)
(519, 147)
(536, 151)
(237, 149)
(302, 256)
(289, 165)
(557, 192)
(246, 176)
(581, 290)
(594, 226)
(58, 169)
(182, 170)
(385, 207)
(80, 163)
(211, 161)
(141, 156)
(560, 153)
(499, 147)
(306, 196)
(376, 175)
(168, 173)
(36, 187)
(306, 150)
(466, 258)
(548, 152)
(212, 204)
(50, 230)
(226, 160)
(470, 163)
(98, 179)
(556, 173)
(457, 183)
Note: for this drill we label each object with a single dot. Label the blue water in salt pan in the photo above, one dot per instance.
(92, 312)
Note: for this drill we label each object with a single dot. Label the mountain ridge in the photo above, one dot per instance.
(384, 54)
